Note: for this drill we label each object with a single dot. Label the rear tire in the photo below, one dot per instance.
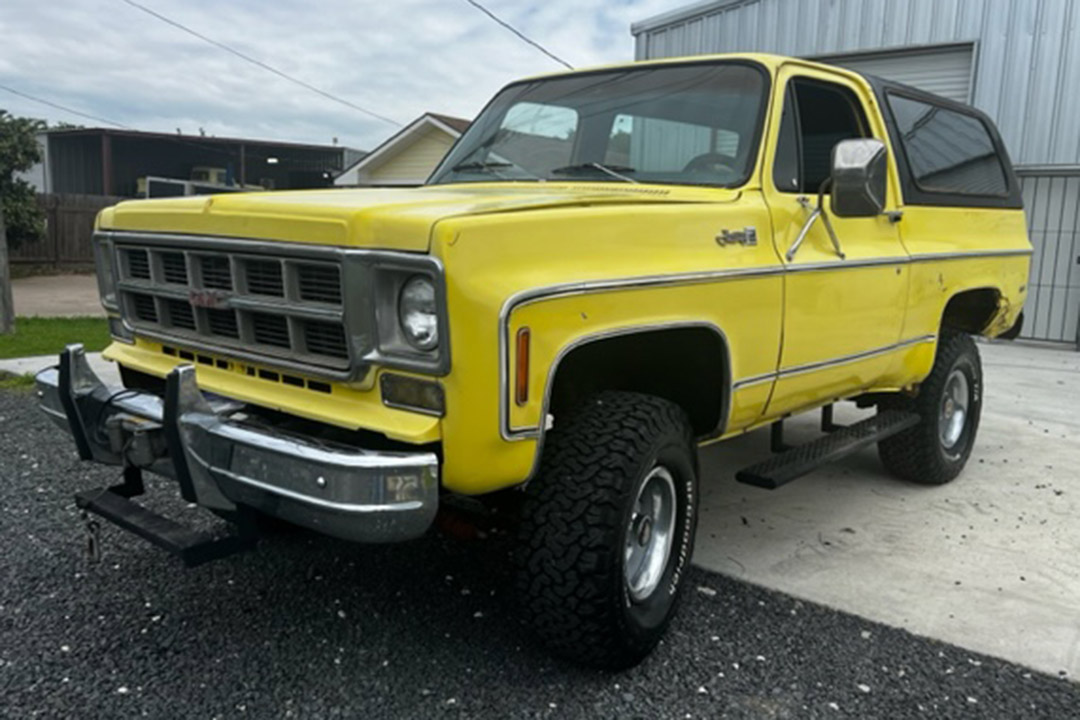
(949, 403)
(608, 528)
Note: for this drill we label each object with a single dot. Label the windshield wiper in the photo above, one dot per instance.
(492, 167)
(475, 165)
(615, 171)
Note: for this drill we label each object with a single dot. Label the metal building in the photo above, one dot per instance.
(1017, 60)
(107, 161)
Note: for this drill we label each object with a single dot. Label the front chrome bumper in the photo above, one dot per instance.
(221, 459)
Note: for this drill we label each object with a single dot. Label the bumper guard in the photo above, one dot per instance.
(226, 463)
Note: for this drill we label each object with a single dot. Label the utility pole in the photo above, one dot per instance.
(7, 306)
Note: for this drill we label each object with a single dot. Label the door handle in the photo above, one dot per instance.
(815, 213)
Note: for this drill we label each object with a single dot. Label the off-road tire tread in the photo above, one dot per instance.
(913, 454)
(572, 520)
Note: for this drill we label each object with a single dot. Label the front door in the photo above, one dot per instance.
(843, 316)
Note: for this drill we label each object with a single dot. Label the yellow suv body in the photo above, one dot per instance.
(743, 237)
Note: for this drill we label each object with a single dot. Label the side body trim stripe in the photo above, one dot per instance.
(531, 295)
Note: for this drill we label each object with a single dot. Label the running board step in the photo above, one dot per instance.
(191, 546)
(798, 461)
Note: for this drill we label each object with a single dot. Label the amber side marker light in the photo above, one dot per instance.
(521, 376)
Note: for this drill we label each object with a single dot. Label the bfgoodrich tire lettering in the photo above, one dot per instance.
(929, 453)
(580, 513)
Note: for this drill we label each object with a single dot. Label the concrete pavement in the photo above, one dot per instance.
(989, 562)
(57, 296)
(108, 371)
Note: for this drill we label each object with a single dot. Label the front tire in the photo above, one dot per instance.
(949, 403)
(608, 528)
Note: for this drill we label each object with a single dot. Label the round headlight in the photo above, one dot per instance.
(416, 312)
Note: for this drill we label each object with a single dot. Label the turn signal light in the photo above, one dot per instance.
(521, 376)
(410, 393)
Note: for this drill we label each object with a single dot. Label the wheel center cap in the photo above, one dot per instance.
(950, 407)
(644, 531)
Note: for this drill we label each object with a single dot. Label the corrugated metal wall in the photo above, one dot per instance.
(946, 70)
(1026, 77)
(1028, 51)
(1052, 202)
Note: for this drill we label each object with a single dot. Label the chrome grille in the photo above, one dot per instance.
(219, 298)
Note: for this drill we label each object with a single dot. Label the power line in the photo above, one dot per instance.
(260, 63)
(514, 30)
(58, 106)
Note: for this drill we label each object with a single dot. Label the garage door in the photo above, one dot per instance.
(944, 70)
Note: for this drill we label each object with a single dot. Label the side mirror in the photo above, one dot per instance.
(859, 169)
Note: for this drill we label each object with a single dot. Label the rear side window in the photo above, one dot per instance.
(948, 152)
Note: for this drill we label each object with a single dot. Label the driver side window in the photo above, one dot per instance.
(816, 116)
(659, 145)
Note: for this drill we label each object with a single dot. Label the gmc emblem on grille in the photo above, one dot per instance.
(213, 299)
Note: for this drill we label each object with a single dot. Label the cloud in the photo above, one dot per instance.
(398, 58)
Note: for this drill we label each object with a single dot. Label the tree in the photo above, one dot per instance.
(19, 151)
(21, 219)
(7, 309)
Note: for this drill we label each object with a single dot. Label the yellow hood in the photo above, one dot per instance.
(388, 218)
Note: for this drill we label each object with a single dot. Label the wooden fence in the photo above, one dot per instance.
(69, 223)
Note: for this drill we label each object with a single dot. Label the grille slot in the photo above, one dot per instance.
(174, 268)
(138, 264)
(144, 307)
(325, 338)
(223, 322)
(319, 283)
(180, 314)
(264, 277)
(270, 329)
(215, 272)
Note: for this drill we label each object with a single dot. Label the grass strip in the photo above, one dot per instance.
(49, 335)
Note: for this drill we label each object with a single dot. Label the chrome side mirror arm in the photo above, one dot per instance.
(815, 213)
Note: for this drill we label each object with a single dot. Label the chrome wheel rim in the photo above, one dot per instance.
(650, 534)
(954, 409)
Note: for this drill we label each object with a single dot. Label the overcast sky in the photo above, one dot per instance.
(396, 57)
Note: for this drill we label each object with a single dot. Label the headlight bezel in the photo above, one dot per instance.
(390, 272)
(105, 270)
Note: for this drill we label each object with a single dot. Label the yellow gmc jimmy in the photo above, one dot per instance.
(609, 269)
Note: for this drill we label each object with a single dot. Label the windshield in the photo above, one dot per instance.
(687, 124)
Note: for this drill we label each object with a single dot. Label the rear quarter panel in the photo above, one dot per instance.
(956, 249)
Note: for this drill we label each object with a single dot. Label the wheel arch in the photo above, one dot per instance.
(688, 363)
(972, 310)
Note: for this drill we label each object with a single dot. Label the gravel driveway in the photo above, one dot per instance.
(310, 627)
